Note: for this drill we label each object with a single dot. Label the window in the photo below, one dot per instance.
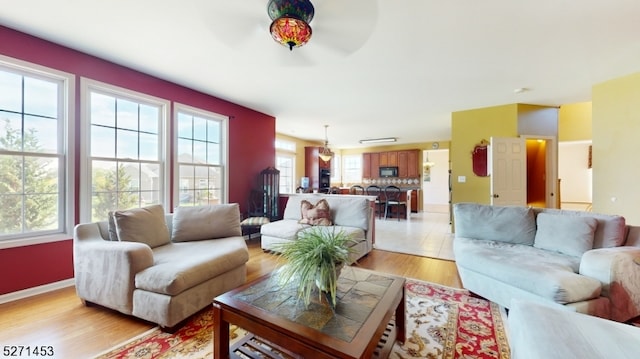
(352, 169)
(35, 169)
(125, 147)
(201, 156)
(285, 163)
(336, 174)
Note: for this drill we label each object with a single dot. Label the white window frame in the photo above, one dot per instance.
(287, 149)
(224, 134)
(346, 177)
(290, 173)
(66, 104)
(87, 85)
(336, 169)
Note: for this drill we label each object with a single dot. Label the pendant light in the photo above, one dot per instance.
(325, 152)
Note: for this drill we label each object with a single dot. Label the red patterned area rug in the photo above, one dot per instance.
(442, 323)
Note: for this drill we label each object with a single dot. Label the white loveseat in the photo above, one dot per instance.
(583, 261)
(158, 267)
(353, 214)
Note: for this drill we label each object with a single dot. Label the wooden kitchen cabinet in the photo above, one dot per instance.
(366, 165)
(375, 165)
(316, 169)
(403, 164)
(384, 159)
(414, 166)
(392, 158)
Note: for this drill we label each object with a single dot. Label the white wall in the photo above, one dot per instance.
(574, 173)
(435, 193)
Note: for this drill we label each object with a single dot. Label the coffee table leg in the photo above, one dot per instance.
(220, 335)
(400, 321)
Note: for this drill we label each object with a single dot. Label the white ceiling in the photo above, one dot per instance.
(373, 68)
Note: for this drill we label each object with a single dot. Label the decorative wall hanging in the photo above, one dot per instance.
(479, 157)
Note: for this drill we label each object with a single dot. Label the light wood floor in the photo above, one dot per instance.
(59, 318)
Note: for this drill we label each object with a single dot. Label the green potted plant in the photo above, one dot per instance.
(315, 259)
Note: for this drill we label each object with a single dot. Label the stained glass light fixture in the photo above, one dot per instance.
(325, 153)
(291, 18)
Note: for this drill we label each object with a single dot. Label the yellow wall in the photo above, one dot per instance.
(468, 128)
(300, 145)
(574, 122)
(616, 144)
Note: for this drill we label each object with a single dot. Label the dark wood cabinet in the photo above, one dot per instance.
(413, 164)
(403, 164)
(318, 171)
(407, 162)
(366, 165)
(392, 158)
(384, 159)
(375, 165)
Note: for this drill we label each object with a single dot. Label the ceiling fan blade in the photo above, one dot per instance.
(344, 25)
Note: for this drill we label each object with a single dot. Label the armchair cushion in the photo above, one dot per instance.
(206, 222)
(145, 225)
(570, 235)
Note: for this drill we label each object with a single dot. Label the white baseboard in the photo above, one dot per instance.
(25, 293)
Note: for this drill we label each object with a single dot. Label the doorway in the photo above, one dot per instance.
(435, 181)
(524, 171)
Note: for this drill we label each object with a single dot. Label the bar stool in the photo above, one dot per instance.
(392, 194)
(380, 203)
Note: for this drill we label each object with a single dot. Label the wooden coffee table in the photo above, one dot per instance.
(361, 325)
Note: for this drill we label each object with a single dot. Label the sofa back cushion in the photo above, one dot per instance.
(610, 232)
(145, 225)
(497, 223)
(194, 223)
(570, 235)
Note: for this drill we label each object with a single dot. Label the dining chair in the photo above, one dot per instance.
(393, 197)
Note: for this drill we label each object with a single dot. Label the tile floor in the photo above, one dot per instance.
(426, 234)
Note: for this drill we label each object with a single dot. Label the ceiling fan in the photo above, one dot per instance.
(340, 27)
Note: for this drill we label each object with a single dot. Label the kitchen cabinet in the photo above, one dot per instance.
(392, 158)
(403, 164)
(375, 164)
(413, 164)
(384, 159)
(407, 162)
(366, 165)
(318, 171)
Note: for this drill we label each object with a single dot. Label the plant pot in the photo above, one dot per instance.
(326, 287)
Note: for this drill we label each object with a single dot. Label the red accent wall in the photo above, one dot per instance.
(251, 144)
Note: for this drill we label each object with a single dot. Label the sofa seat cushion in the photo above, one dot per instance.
(548, 274)
(180, 266)
(285, 229)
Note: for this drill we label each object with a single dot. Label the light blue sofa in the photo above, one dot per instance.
(581, 261)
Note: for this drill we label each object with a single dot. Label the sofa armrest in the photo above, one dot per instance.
(105, 270)
(619, 271)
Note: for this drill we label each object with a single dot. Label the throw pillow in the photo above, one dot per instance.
(569, 235)
(206, 222)
(145, 225)
(318, 215)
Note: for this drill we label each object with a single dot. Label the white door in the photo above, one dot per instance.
(508, 161)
